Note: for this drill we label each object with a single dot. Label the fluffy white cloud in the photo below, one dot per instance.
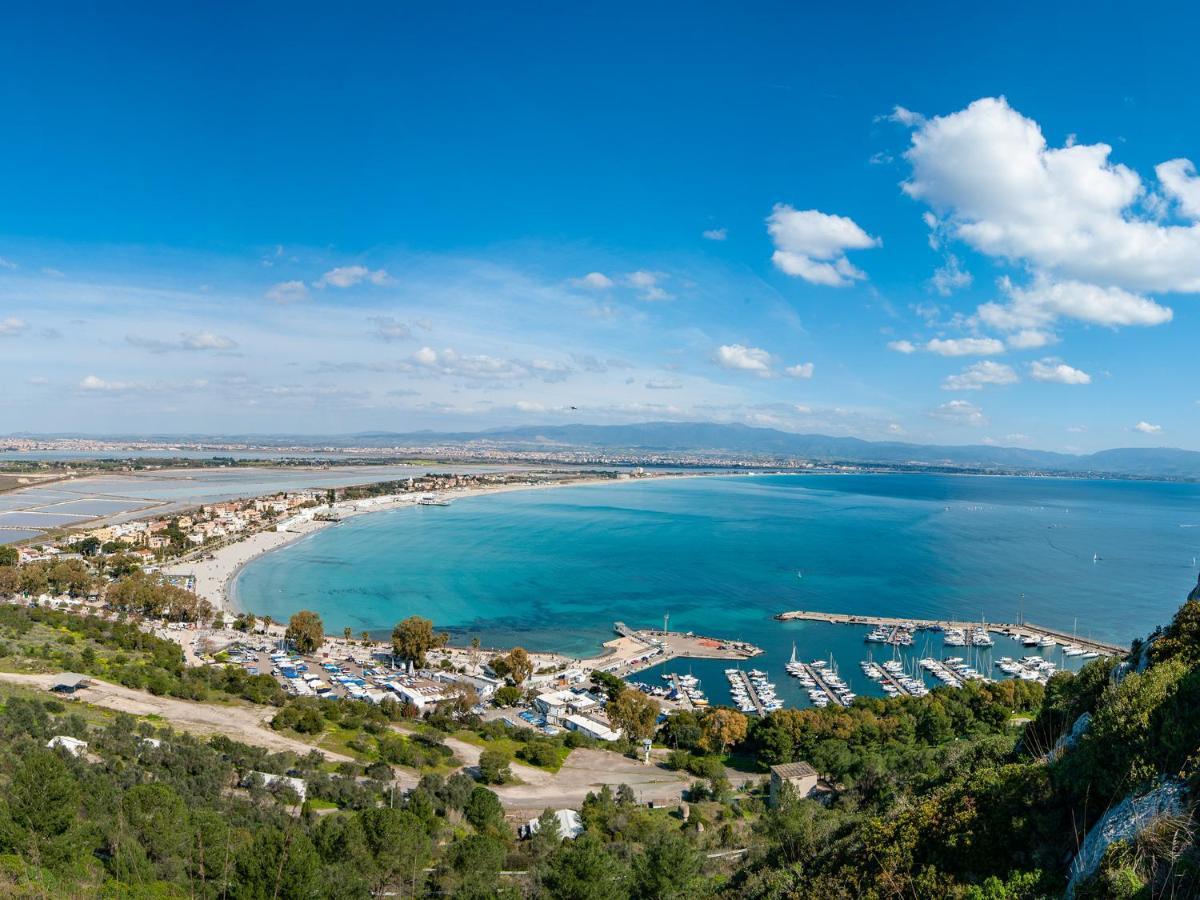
(905, 117)
(974, 378)
(715, 234)
(800, 370)
(1179, 183)
(950, 277)
(287, 292)
(649, 284)
(1045, 301)
(11, 327)
(1055, 370)
(902, 346)
(1147, 428)
(1031, 339)
(745, 359)
(812, 245)
(959, 412)
(596, 281)
(965, 346)
(348, 276)
(1069, 211)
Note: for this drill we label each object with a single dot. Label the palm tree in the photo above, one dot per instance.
(347, 632)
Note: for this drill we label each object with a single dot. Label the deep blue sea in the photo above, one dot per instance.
(553, 569)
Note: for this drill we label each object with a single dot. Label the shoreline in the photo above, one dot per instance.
(215, 574)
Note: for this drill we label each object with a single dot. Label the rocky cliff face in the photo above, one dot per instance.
(1123, 822)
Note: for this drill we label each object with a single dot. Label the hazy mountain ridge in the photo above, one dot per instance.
(735, 440)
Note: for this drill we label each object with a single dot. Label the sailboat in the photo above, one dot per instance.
(793, 666)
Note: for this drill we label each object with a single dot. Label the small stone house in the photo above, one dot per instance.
(800, 776)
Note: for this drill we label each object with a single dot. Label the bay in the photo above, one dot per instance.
(553, 569)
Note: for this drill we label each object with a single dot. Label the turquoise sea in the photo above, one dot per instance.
(553, 569)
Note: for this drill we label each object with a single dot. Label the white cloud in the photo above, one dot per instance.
(905, 117)
(959, 412)
(1031, 339)
(649, 284)
(1179, 182)
(950, 277)
(663, 384)
(451, 363)
(745, 359)
(187, 340)
(902, 346)
(715, 234)
(1069, 212)
(53, 273)
(800, 370)
(205, 340)
(287, 292)
(11, 327)
(1045, 301)
(812, 245)
(1147, 428)
(596, 281)
(965, 346)
(7, 264)
(93, 383)
(388, 328)
(348, 276)
(1055, 370)
(974, 378)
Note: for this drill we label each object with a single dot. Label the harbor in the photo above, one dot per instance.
(638, 649)
(1021, 633)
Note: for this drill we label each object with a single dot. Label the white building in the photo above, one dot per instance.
(74, 746)
(273, 781)
(590, 727)
(570, 825)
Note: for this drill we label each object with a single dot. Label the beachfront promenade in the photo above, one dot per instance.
(1005, 628)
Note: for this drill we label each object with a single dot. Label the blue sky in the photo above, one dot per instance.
(929, 225)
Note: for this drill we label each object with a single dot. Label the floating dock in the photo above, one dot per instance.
(889, 678)
(816, 675)
(752, 693)
(684, 699)
(1007, 629)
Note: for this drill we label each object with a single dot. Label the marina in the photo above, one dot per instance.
(1023, 633)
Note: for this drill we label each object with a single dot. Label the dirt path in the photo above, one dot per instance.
(584, 771)
(241, 723)
(587, 771)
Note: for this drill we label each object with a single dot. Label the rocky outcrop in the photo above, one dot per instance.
(1123, 822)
(1070, 739)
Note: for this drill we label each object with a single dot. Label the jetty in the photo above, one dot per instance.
(1007, 629)
(815, 673)
(889, 678)
(752, 693)
(684, 699)
(641, 648)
